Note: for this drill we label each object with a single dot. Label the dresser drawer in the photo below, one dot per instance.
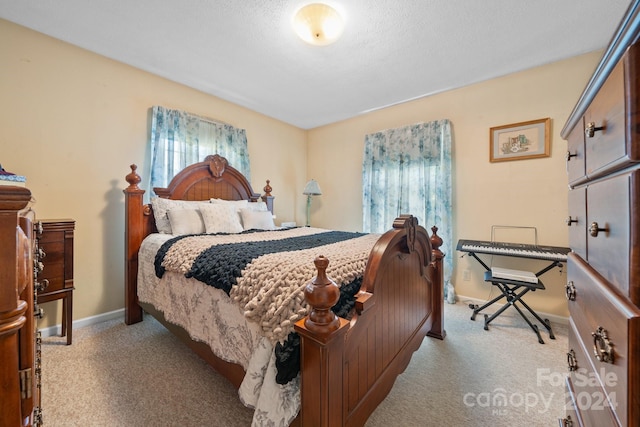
(587, 401)
(56, 241)
(605, 146)
(612, 246)
(577, 221)
(53, 263)
(598, 309)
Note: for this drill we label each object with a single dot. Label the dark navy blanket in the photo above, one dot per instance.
(221, 265)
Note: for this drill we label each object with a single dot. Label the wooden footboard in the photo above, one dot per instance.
(350, 367)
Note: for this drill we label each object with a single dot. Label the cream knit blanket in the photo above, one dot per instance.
(271, 287)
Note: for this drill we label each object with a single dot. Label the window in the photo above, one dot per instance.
(179, 139)
(408, 171)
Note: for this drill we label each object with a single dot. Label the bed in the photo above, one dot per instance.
(348, 364)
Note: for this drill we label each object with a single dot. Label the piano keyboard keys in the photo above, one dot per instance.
(550, 253)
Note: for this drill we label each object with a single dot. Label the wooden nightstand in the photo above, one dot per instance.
(57, 243)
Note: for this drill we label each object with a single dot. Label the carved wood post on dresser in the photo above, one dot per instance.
(603, 272)
(19, 340)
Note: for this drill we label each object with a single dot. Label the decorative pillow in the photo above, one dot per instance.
(185, 221)
(238, 204)
(161, 206)
(257, 220)
(257, 206)
(220, 218)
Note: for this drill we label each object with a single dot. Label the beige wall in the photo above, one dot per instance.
(72, 122)
(516, 193)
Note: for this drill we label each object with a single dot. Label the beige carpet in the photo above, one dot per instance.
(118, 375)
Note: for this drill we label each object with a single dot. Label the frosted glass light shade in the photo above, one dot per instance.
(318, 24)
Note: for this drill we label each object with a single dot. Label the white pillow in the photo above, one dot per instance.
(185, 221)
(238, 204)
(220, 218)
(161, 206)
(258, 220)
(257, 206)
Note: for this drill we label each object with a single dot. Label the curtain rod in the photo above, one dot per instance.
(198, 116)
(212, 121)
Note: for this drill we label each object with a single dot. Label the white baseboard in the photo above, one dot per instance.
(87, 321)
(554, 318)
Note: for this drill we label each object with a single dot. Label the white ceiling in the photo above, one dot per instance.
(391, 51)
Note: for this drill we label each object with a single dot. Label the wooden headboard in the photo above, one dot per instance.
(211, 178)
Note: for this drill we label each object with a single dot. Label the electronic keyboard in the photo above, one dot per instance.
(550, 253)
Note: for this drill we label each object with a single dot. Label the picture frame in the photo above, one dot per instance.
(519, 141)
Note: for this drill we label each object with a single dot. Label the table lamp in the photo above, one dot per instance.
(311, 189)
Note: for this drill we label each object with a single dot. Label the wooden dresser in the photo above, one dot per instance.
(19, 338)
(56, 242)
(603, 272)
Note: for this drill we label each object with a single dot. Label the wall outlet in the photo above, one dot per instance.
(466, 275)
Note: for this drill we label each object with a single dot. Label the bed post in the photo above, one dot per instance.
(322, 348)
(133, 235)
(437, 328)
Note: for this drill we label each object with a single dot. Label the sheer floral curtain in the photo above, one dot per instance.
(179, 139)
(408, 170)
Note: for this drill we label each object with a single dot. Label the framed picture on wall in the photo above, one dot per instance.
(519, 141)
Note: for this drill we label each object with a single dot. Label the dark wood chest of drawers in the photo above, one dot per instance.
(603, 272)
(56, 241)
(20, 367)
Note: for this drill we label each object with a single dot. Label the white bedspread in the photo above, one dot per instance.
(210, 316)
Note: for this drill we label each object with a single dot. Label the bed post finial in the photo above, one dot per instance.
(133, 178)
(267, 189)
(267, 197)
(321, 294)
(436, 241)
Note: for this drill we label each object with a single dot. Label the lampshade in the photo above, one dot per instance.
(318, 24)
(312, 189)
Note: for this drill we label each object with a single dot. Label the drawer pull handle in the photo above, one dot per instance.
(572, 363)
(602, 346)
(570, 291)
(565, 422)
(594, 229)
(37, 267)
(41, 286)
(591, 129)
(569, 156)
(570, 221)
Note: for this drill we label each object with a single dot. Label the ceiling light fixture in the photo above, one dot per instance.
(318, 24)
